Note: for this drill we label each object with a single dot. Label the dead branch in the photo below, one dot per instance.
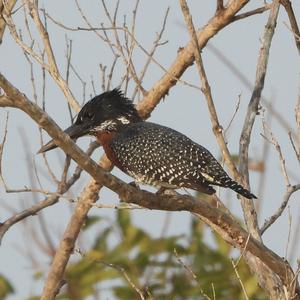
(125, 275)
(220, 6)
(290, 190)
(5, 7)
(293, 21)
(265, 277)
(256, 11)
(2, 148)
(248, 205)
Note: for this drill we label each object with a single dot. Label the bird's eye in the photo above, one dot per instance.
(84, 117)
(89, 115)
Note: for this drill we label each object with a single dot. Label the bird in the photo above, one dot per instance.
(152, 154)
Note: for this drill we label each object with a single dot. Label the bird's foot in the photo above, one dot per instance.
(134, 184)
(166, 191)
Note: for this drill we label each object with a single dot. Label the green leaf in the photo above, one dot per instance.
(5, 287)
(124, 220)
(90, 221)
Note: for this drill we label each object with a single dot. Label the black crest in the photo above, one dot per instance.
(109, 105)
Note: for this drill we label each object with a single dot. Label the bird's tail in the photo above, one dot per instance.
(240, 190)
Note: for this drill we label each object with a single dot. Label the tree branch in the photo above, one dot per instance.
(250, 13)
(290, 190)
(5, 7)
(293, 21)
(248, 206)
(266, 278)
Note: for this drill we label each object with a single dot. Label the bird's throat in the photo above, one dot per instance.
(104, 138)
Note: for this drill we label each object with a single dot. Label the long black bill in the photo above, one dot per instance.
(74, 131)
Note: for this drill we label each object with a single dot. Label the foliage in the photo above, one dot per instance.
(5, 287)
(175, 267)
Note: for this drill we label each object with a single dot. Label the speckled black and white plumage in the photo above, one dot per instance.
(150, 153)
(160, 156)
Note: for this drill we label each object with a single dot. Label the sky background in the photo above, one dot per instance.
(184, 109)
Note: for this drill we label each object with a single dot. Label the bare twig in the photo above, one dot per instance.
(234, 265)
(6, 7)
(156, 43)
(2, 148)
(220, 6)
(263, 174)
(290, 190)
(289, 233)
(293, 21)
(293, 252)
(233, 116)
(265, 277)
(52, 198)
(294, 146)
(125, 30)
(297, 116)
(26, 213)
(256, 11)
(243, 252)
(110, 75)
(125, 275)
(188, 269)
(191, 273)
(271, 138)
(51, 67)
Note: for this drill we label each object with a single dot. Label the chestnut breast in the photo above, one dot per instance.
(104, 138)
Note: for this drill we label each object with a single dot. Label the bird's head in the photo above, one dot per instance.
(106, 112)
